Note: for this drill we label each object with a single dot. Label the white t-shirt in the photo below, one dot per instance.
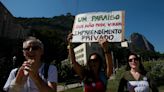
(30, 86)
(139, 86)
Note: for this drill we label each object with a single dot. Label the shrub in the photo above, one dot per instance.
(156, 71)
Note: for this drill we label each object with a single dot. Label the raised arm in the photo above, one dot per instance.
(76, 66)
(108, 57)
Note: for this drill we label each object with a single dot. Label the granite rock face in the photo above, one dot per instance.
(138, 41)
(8, 27)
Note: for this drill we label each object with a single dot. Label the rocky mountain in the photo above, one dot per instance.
(138, 41)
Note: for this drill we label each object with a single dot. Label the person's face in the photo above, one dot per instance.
(133, 61)
(94, 63)
(31, 50)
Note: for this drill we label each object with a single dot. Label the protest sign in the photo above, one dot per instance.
(89, 27)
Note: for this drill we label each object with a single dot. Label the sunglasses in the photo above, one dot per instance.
(33, 48)
(135, 59)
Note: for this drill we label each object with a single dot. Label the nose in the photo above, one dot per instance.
(133, 60)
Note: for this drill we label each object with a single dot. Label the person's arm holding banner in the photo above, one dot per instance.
(76, 66)
(108, 57)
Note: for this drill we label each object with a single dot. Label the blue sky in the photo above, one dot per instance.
(143, 16)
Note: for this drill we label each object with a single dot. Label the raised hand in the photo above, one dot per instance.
(104, 44)
(28, 66)
(69, 37)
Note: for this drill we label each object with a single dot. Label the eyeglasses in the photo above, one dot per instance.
(135, 59)
(33, 48)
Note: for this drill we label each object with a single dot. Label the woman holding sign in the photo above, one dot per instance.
(92, 75)
(136, 79)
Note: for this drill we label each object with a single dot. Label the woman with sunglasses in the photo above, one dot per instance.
(136, 78)
(30, 76)
(93, 77)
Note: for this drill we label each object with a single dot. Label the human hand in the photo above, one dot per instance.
(21, 76)
(25, 68)
(28, 66)
(104, 44)
(69, 37)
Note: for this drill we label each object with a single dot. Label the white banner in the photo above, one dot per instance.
(89, 27)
